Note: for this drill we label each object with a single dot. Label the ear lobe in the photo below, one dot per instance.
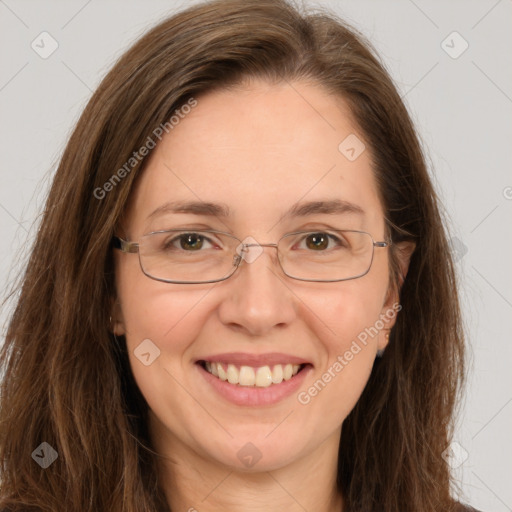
(403, 251)
(117, 326)
(382, 341)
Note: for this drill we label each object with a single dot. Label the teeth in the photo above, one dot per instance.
(277, 374)
(221, 372)
(233, 374)
(246, 376)
(288, 372)
(261, 377)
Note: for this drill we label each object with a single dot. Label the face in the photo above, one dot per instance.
(258, 150)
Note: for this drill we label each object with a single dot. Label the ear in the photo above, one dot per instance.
(403, 252)
(117, 324)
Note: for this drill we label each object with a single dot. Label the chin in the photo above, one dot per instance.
(257, 453)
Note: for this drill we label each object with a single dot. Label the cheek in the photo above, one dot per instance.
(343, 311)
(171, 316)
(172, 319)
(346, 326)
(350, 341)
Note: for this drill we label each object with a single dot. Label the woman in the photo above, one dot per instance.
(241, 295)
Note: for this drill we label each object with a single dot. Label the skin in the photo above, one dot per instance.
(259, 148)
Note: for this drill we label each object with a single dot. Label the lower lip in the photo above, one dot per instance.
(254, 396)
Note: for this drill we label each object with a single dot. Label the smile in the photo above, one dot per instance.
(246, 379)
(261, 377)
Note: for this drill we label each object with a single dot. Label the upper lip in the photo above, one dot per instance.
(255, 360)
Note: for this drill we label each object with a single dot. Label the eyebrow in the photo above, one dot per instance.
(329, 207)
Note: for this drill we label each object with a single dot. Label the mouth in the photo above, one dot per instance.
(263, 376)
(250, 380)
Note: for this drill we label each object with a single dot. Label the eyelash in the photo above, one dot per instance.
(169, 243)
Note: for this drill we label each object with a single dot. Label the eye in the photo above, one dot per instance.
(321, 241)
(189, 242)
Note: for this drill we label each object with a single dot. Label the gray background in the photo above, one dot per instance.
(462, 107)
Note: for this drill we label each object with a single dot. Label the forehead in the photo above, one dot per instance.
(259, 150)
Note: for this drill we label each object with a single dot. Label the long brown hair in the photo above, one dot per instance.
(67, 380)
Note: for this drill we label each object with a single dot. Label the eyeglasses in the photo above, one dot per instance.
(192, 257)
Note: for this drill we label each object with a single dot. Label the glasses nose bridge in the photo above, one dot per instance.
(260, 245)
(246, 246)
(238, 257)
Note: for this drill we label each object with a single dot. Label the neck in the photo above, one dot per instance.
(194, 483)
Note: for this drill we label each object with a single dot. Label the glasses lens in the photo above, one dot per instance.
(201, 256)
(326, 255)
(188, 256)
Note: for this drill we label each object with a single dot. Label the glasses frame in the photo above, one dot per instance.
(130, 247)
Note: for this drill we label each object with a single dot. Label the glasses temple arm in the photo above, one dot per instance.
(123, 245)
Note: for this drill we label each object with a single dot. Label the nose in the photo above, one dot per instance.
(258, 298)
